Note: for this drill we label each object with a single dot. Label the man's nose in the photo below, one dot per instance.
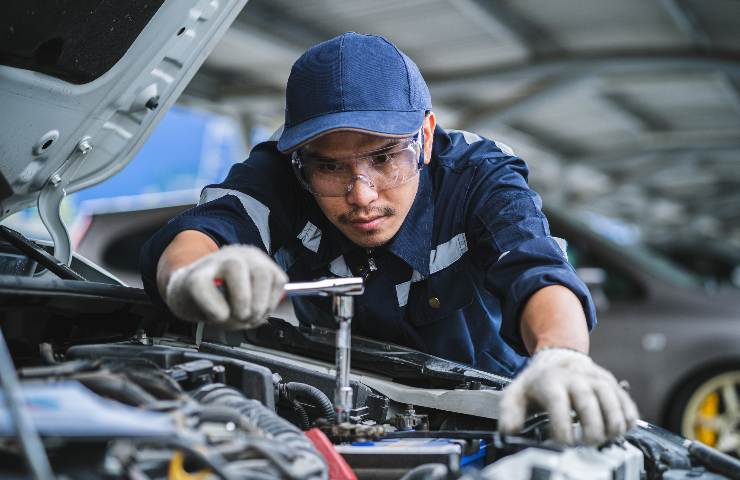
(362, 193)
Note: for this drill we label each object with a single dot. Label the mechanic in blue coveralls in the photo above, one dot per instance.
(456, 254)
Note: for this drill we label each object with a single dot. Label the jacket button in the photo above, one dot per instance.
(434, 302)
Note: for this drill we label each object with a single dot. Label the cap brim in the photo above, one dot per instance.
(382, 123)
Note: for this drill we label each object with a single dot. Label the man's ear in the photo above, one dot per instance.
(430, 121)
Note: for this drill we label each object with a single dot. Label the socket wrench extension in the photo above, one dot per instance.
(341, 290)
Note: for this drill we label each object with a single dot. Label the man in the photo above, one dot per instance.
(454, 249)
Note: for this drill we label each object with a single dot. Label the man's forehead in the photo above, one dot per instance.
(348, 142)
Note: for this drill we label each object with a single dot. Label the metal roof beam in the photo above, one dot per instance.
(504, 16)
(490, 114)
(216, 84)
(686, 21)
(733, 88)
(661, 143)
(638, 113)
(629, 62)
(274, 19)
(557, 145)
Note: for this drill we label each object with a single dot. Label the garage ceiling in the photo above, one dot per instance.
(628, 109)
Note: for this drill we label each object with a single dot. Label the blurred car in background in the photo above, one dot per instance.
(674, 340)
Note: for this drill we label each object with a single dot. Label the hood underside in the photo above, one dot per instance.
(86, 82)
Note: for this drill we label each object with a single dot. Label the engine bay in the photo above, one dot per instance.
(151, 404)
(115, 387)
(147, 410)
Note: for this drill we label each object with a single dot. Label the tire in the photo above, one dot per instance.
(707, 409)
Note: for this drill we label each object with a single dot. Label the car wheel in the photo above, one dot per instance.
(708, 410)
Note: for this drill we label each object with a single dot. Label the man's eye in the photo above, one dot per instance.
(382, 159)
(328, 167)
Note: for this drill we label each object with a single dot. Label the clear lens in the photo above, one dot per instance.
(382, 170)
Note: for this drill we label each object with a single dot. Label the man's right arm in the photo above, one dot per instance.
(187, 247)
(214, 242)
(227, 238)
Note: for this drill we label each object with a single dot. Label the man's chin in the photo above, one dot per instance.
(371, 239)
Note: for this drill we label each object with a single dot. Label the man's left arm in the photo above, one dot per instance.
(553, 317)
(546, 309)
(561, 377)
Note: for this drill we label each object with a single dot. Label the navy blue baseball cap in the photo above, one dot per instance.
(353, 82)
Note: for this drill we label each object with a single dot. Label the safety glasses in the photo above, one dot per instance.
(382, 169)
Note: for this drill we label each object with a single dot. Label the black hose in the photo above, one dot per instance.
(59, 369)
(296, 390)
(224, 414)
(262, 417)
(289, 450)
(154, 382)
(302, 415)
(116, 387)
(715, 460)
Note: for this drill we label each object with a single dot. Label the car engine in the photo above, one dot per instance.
(160, 408)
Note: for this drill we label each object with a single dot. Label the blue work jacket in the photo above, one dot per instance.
(452, 282)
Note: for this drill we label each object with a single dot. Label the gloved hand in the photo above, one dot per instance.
(560, 380)
(253, 284)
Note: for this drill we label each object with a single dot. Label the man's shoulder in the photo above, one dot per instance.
(467, 155)
(461, 149)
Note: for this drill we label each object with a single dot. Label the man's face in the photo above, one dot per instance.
(368, 217)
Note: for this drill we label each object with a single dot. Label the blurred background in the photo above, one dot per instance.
(627, 112)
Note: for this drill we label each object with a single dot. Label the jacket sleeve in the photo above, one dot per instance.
(511, 240)
(248, 207)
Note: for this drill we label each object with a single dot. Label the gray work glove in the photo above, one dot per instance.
(253, 286)
(560, 380)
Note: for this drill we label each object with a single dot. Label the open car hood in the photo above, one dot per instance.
(86, 82)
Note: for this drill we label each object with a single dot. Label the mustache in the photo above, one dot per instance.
(357, 213)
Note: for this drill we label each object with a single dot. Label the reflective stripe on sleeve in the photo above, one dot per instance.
(504, 148)
(257, 211)
(563, 244)
(470, 138)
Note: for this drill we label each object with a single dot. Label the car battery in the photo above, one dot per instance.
(391, 458)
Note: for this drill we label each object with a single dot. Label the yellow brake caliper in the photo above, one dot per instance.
(708, 409)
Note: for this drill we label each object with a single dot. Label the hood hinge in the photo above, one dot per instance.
(50, 201)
